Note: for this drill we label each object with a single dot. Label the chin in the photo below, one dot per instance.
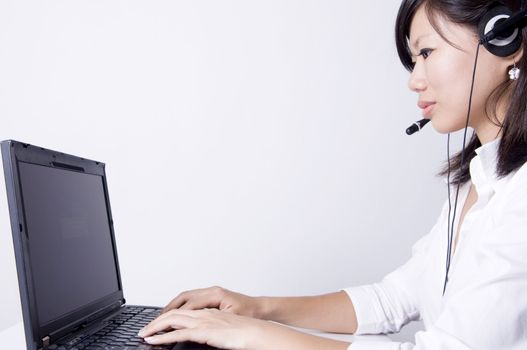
(443, 126)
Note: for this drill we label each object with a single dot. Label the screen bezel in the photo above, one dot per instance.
(14, 153)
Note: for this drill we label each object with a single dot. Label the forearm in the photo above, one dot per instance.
(332, 312)
(273, 336)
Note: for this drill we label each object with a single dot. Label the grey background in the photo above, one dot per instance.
(256, 145)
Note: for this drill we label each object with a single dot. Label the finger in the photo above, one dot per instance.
(176, 302)
(180, 335)
(190, 313)
(186, 306)
(174, 321)
(165, 316)
(186, 296)
(200, 300)
(229, 309)
(198, 305)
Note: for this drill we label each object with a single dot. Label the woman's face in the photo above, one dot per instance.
(443, 73)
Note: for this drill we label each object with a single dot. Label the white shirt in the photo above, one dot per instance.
(485, 303)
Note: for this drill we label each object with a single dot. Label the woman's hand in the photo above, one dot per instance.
(229, 331)
(218, 298)
(209, 326)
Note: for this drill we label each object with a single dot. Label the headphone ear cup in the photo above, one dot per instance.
(501, 47)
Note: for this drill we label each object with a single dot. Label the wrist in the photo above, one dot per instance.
(257, 336)
(265, 335)
(264, 308)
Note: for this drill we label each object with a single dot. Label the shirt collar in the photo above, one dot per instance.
(483, 168)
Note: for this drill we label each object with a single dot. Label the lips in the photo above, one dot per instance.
(424, 104)
(427, 107)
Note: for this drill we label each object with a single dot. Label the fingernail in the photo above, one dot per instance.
(141, 332)
(149, 339)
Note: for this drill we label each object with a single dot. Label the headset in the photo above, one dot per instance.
(499, 32)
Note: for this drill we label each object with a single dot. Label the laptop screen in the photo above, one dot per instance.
(70, 242)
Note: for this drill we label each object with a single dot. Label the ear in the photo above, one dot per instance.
(514, 58)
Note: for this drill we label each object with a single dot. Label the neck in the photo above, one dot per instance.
(487, 132)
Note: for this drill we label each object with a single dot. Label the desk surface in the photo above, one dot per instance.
(13, 337)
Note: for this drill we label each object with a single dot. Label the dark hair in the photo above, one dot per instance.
(512, 152)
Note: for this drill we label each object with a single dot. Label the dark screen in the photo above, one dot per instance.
(70, 245)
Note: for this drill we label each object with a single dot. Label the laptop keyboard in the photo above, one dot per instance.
(120, 333)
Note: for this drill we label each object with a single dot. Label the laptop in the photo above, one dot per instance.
(66, 255)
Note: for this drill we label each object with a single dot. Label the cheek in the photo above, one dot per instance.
(489, 76)
(449, 77)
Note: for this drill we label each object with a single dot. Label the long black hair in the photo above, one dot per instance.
(512, 152)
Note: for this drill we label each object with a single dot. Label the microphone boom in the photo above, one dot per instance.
(417, 126)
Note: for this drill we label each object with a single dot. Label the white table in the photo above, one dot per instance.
(13, 337)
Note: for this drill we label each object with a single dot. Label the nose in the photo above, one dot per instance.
(417, 81)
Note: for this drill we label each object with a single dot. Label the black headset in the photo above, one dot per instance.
(500, 30)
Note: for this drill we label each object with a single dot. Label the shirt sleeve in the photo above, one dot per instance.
(385, 307)
(488, 309)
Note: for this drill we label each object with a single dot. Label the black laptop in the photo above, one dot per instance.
(66, 256)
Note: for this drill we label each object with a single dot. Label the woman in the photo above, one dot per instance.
(484, 303)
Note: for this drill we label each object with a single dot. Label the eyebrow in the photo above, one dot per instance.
(415, 44)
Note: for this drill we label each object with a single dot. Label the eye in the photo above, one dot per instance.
(425, 53)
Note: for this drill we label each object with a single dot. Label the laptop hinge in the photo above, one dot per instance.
(45, 342)
(72, 328)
